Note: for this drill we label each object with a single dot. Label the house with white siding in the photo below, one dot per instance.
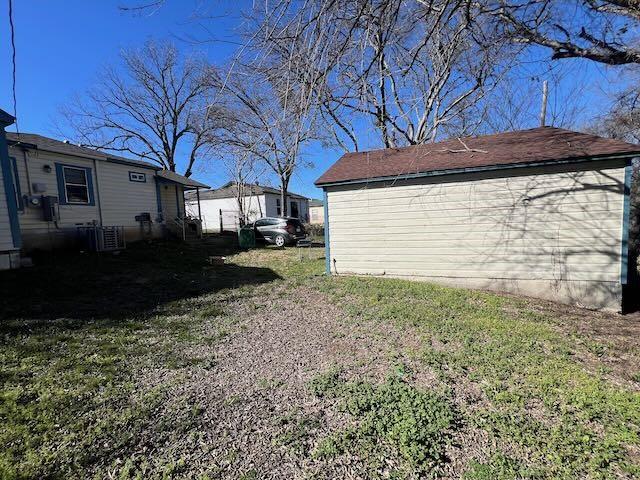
(316, 212)
(219, 208)
(61, 191)
(541, 212)
(10, 241)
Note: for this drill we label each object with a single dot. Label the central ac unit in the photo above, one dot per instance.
(102, 239)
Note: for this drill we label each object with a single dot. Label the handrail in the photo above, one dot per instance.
(179, 221)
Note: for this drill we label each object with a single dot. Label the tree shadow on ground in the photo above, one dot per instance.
(132, 284)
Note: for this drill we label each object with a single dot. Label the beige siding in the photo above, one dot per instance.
(122, 199)
(117, 200)
(541, 225)
(70, 215)
(173, 206)
(316, 215)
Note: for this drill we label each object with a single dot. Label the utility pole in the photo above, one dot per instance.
(543, 110)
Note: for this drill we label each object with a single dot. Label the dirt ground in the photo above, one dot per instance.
(212, 376)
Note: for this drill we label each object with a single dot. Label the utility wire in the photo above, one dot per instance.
(13, 60)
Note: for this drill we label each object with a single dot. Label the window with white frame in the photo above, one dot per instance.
(137, 177)
(76, 185)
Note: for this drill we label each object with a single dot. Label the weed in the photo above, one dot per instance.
(415, 424)
(584, 426)
(295, 431)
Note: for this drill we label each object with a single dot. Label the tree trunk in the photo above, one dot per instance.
(284, 186)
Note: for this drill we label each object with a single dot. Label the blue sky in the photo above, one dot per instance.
(62, 44)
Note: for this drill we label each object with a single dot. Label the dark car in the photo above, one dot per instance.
(279, 231)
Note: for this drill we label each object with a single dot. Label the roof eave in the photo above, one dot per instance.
(488, 168)
(97, 156)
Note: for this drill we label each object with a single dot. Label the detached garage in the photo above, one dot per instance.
(541, 212)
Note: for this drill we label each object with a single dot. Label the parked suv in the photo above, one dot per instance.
(279, 231)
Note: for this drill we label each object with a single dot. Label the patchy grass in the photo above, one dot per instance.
(393, 419)
(105, 370)
(73, 397)
(551, 417)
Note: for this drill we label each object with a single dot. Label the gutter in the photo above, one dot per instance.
(489, 168)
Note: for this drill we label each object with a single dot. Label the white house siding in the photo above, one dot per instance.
(172, 199)
(256, 206)
(116, 198)
(546, 232)
(210, 209)
(36, 233)
(316, 215)
(121, 200)
(271, 202)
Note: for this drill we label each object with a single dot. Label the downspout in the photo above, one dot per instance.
(327, 246)
(95, 169)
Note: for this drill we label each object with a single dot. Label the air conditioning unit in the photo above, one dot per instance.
(102, 239)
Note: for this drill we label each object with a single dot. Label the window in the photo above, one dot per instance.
(294, 210)
(74, 185)
(137, 177)
(278, 207)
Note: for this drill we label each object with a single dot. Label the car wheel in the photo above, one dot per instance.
(280, 241)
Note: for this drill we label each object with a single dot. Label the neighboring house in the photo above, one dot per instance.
(541, 212)
(316, 212)
(59, 188)
(10, 240)
(220, 210)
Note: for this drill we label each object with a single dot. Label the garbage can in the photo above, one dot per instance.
(247, 237)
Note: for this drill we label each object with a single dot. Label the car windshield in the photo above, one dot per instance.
(295, 223)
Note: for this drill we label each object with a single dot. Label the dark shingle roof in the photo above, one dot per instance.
(33, 140)
(537, 145)
(57, 146)
(5, 118)
(228, 191)
(175, 177)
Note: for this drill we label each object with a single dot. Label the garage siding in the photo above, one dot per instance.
(547, 225)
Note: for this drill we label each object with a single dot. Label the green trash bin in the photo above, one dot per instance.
(247, 237)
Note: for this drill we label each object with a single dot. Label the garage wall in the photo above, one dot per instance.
(545, 232)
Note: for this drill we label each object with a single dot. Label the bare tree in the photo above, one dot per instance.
(153, 107)
(412, 69)
(515, 104)
(268, 120)
(244, 171)
(622, 121)
(603, 31)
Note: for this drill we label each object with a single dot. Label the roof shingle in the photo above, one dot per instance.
(58, 146)
(228, 190)
(537, 145)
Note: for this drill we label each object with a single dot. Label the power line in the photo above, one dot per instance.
(13, 60)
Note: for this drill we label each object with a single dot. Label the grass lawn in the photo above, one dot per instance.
(155, 364)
